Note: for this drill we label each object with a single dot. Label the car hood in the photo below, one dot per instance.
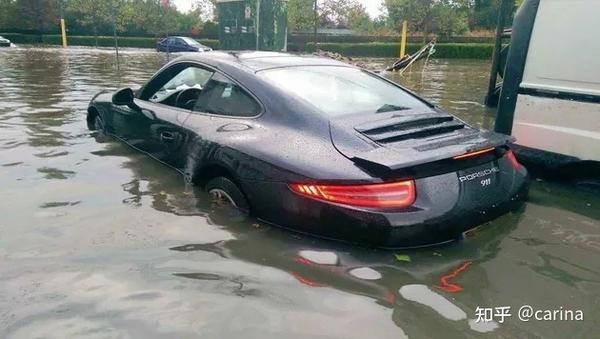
(402, 139)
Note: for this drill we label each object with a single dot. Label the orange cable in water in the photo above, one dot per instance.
(448, 286)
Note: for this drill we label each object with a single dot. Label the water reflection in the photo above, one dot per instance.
(376, 274)
(97, 240)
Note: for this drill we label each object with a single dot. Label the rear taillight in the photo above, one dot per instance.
(512, 159)
(399, 194)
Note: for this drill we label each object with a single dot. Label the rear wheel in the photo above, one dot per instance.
(224, 192)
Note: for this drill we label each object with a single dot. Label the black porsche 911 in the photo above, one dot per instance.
(317, 146)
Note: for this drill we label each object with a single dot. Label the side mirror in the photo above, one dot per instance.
(123, 97)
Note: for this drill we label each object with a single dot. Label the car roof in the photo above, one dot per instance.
(255, 61)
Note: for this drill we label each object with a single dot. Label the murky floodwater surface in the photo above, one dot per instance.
(99, 241)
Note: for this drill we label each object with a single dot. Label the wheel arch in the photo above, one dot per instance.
(204, 174)
(92, 113)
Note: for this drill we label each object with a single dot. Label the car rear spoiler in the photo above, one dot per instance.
(402, 140)
(395, 159)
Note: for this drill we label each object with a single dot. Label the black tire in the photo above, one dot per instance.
(98, 128)
(224, 191)
(98, 124)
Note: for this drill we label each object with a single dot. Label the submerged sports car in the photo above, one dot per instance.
(317, 146)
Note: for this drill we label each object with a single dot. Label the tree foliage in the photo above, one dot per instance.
(31, 15)
(301, 15)
(337, 13)
(98, 17)
(150, 18)
(444, 17)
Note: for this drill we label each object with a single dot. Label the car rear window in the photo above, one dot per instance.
(338, 91)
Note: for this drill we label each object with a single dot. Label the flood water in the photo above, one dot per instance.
(99, 241)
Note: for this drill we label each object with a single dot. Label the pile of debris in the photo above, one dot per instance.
(399, 65)
(348, 60)
(409, 59)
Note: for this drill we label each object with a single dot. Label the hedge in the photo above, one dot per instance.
(391, 50)
(103, 41)
(307, 38)
(372, 49)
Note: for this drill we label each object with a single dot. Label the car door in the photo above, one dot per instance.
(186, 46)
(165, 44)
(179, 45)
(224, 110)
(169, 45)
(134, 124)
(161, 133)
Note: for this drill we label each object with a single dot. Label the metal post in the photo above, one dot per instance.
(257, 25)
(505, 7)
(316, 24)
(63, 30)
(162, 21)
(114, 20)
(403, 39)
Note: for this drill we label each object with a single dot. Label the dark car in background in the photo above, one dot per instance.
(4, 42)
(317, 146)
(181, 44)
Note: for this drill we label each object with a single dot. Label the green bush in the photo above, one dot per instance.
(101, 41)
(302, 39)
(370, 49)
(391, 50)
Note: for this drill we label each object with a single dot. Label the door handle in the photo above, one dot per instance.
(167, 136)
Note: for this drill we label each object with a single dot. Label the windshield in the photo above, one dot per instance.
(191, 77)
(342, 90)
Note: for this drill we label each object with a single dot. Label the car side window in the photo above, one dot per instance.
(187, 78)
(222, 96)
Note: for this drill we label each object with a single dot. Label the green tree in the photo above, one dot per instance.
(444, 17)
(484, 14)
(8, 14)
(360, 21)
(205, 9)
(300, 15)
(337, 13)
(416, 12)
(37, 15)
(88, 15)
(449, 18)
